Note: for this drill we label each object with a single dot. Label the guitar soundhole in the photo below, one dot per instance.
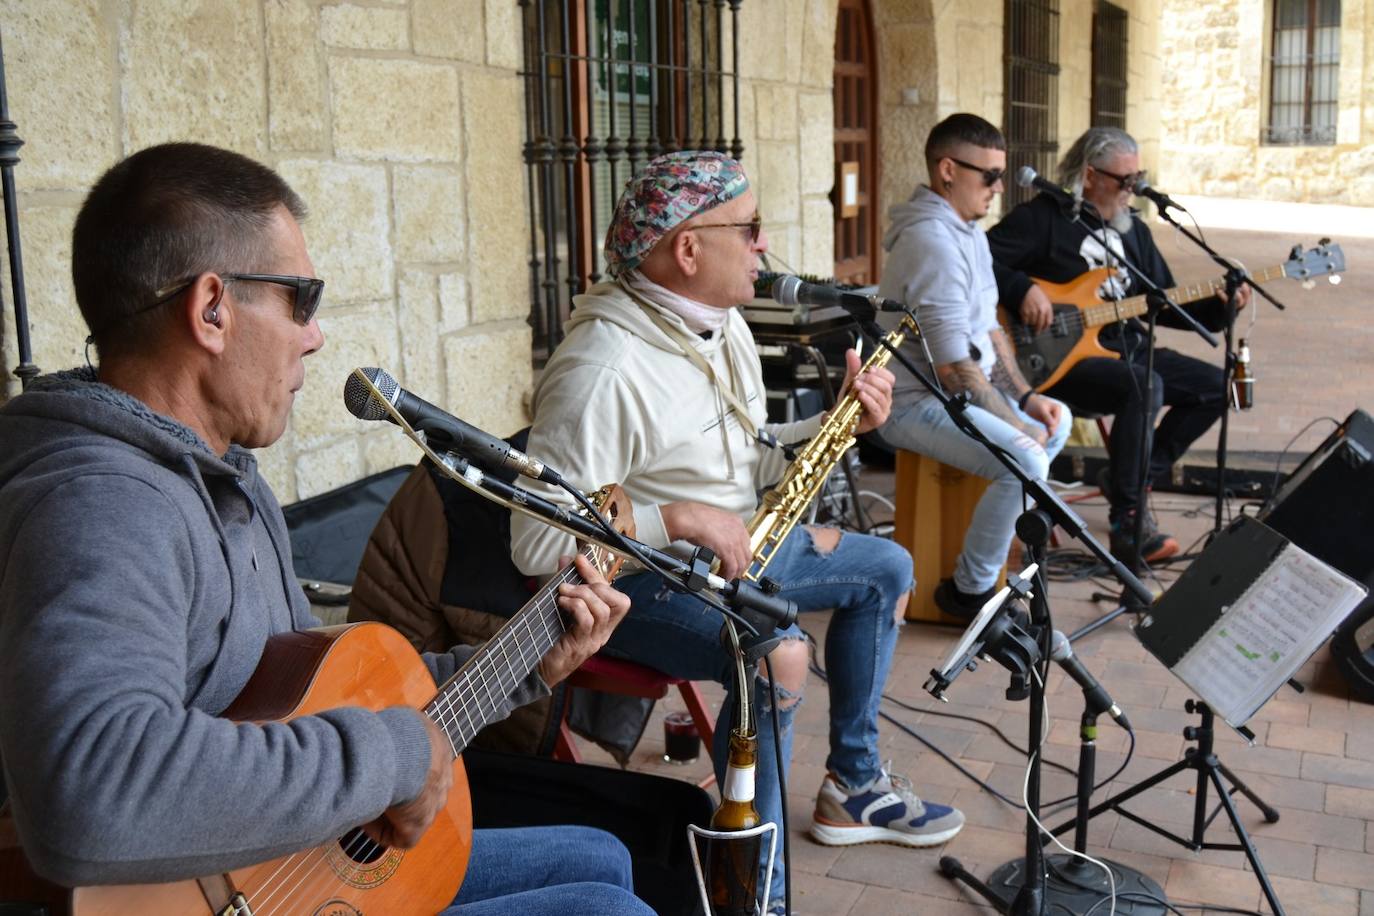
(360, 848)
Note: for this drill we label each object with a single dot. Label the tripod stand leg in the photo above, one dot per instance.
(1270, 815)
(954, 870)
(1244, 837)
(1125, 796)
(1099, 622)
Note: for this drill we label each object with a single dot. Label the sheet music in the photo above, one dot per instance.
(1261, 641)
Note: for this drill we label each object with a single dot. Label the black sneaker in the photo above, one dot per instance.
(1156, 545)
(956, 603)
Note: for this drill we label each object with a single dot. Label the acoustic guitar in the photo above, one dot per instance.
(372, 666)
(1080, 313)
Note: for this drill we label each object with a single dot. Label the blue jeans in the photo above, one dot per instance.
(862, 578)
(920, 424)
(547, 871)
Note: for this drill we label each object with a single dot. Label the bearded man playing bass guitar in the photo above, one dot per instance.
(659, 385)
(1040, 239)
(145, 564)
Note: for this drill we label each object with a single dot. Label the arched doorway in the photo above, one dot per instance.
(855, 195)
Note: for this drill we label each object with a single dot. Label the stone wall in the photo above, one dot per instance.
(398, 123)
(1214, 108)
(909, 59)
(786, 55)
(937, 58)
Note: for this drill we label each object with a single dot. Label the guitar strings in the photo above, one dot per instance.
(448, 718)
(1107, 310)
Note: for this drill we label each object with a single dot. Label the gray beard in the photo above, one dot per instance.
(1121, 222)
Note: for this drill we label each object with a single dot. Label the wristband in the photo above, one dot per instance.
(1021, 401)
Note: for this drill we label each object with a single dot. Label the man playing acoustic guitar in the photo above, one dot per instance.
(144, 565)
(1040, 238)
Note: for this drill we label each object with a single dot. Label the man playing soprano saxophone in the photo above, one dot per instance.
(658, 386)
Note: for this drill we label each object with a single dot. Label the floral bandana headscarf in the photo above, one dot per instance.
(670, 190)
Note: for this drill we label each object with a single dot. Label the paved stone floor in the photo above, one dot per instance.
(1313, 760)
(1314, 752)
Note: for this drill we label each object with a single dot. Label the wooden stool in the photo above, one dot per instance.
(935, 504)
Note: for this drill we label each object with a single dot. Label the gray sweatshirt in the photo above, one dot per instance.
(140, 577)
(940, 266)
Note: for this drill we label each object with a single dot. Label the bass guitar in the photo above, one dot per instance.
(372, 666)
(1080, 313)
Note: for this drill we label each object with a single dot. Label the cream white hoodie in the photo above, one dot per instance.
(620, 403)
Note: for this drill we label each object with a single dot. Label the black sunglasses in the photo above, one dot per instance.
(308, 292)
(1126, 182)
(755, 227)
(990, 176)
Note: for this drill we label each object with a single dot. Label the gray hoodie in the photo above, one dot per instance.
(140, 577)
(939, 265)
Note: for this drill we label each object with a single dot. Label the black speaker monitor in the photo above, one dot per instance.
(1327, 504)
(1326, 507)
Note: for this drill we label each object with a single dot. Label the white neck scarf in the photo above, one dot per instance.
(698, 316)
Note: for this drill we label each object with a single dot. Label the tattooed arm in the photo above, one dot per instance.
(1006, 376)
(964, 375)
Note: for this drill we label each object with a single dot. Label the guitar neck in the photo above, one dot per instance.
(1107, 312)
(471, 698)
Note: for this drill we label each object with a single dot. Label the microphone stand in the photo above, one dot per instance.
(744, 599)
(9, 158)
(1234, 278)
(753, 606)
(1146, 418)
(1034, 527)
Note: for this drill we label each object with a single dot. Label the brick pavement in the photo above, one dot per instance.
(1313, 760)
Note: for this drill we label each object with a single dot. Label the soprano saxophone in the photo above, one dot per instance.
(784, 504)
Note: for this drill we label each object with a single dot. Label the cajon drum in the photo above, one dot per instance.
(934, 505)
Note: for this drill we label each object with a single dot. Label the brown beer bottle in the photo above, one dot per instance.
(732, 866)
(1243, 380)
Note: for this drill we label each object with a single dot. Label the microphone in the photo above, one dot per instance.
(1028, 177)
(444, 430)
(1093, 692)
(1161, 200)
(794, 291)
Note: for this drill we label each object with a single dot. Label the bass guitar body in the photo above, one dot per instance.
(301, 673)
(1045, 358)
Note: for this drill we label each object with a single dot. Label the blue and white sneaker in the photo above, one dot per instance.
(884, 811)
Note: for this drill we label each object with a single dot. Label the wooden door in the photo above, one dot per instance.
(855, 194)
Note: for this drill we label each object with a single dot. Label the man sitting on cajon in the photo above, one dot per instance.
(939, 264)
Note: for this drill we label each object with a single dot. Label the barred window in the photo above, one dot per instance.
(609, 85)
(1304, 66)
(1031, 125)
(1110, 50)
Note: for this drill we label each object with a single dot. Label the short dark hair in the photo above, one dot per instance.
(960, 129)
(163, 215)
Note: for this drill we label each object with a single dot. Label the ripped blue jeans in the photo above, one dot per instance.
(920, 424)
(862, 578)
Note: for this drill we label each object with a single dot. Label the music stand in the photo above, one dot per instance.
(1235, 627)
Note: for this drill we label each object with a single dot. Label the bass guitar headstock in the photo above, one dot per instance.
(1326, 259)
(612, 502)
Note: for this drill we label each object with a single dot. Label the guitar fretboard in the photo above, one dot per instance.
(1108, 312)
(469, 700)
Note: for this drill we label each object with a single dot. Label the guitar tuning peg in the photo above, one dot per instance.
(1334, 279)
(1309, 283)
